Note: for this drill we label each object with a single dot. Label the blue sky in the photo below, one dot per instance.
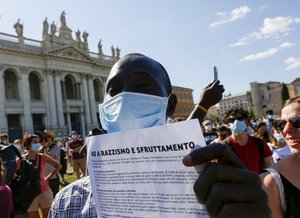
(255, 40)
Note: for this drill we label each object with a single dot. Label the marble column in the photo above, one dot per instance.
(28, 124)
(92, 100)
(69, 121)
(59, 102)
(86, 100)
(83, 129)
(51, 98)
(46, 100)
(3, 120)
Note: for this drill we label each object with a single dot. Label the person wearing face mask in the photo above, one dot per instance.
(78, 158)
(4, 138)
(278, 146)
(138, 94)
(43, 200)
(222, 132)
(252, 151)
(209, 134)
(269, 120)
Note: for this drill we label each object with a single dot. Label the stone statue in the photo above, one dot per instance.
(118, 52)
(113, 54)
(19, 29)
(53, 29)
(100, 52)
(45, 27)
(63, 22)
(78, 39)
(85, 36)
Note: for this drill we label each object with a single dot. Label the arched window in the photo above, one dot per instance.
(71, 87)
(11, 85)
(35, 86)
(97, 90)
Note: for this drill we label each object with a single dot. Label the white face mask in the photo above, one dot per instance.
(131, 111)
(238, 127)
(208, 127)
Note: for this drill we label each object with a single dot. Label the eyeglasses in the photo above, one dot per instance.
(279, 125)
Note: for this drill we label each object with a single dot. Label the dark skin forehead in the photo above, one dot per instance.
(137, 73)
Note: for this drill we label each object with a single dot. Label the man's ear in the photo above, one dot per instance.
(171, 105)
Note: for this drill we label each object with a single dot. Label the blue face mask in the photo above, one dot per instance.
(131, 111)
(238, 127)
(35, 146)
(279, 138)
(270, 117)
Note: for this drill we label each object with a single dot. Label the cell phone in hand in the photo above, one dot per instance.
(215, 73)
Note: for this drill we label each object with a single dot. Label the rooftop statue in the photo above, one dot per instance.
(19, 28)
(63, 22)
(53, 29)
(45, 27)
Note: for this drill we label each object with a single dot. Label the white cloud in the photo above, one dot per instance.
(287, 45)
(235, 14)
(272, 28)
(268, 53)
(260, 55)
(292, 63)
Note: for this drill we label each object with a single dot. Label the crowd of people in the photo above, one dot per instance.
(49, 155)
(252, 165)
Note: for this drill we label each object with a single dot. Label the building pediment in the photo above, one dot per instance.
(70, 52)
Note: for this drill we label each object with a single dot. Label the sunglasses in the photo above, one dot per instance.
(279, 125)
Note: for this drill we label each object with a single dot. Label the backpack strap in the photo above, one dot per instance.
(228, 142)
(278, 181)
(260, 145)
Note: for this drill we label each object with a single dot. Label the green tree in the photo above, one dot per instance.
(284, 93)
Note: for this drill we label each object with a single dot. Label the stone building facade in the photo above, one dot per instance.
(242, 100)
(185, 102)
(266, 96)
(55, 83)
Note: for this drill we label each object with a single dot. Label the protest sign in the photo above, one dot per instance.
(140, 173)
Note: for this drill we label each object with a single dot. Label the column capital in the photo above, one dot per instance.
(49, 71)
(23, 69)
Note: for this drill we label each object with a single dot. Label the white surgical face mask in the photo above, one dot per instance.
(131, 111)
(238, 127)
(208, 127)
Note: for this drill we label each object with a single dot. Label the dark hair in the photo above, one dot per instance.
(222, 128)
(237, 113)
(27, 139)
(270, 112)
(295, 99)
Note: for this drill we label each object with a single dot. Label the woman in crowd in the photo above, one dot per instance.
(285, 173)
(45, 198)
(278, 146)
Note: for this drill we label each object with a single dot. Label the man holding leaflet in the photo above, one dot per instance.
(137, 81)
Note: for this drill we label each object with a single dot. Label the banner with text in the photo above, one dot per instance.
(140, 173)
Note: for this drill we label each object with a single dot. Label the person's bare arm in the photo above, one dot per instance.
(271, 188)
(53, 162)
